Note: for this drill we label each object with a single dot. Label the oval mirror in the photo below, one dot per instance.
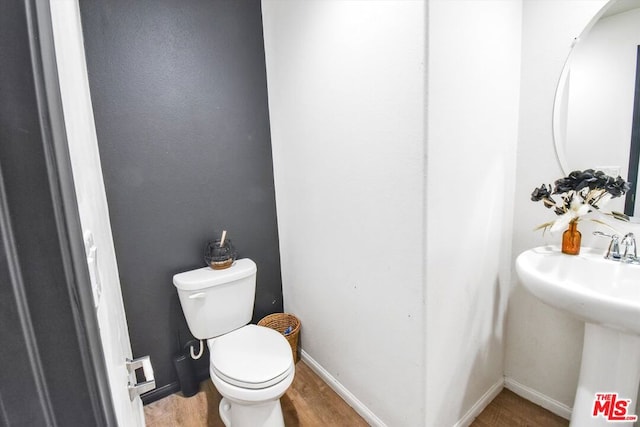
(596, 114)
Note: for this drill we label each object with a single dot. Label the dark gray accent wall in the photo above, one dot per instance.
(180, 102)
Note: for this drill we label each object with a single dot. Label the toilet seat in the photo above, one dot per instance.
(252, 357)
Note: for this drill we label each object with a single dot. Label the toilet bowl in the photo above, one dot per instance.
(251, 366)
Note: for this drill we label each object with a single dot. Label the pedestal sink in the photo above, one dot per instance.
(605, 294)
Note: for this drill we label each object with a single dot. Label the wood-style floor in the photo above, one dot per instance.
(510, 410)
(310, 402)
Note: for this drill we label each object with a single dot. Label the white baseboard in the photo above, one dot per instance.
(345, 394)
(482, 403)
(538, 398)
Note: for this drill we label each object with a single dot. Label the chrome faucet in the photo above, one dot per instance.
(613, 251)
(628, 253)
(629, 245)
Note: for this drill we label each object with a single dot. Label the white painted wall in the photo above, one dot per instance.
(346, 84)
(381, 202)
(543, 345)
(472, 122)
(92, 203)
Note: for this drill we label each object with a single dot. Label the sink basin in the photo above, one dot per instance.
(594, 289)
(605, 294)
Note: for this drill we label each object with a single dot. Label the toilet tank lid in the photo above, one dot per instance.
(206, 277)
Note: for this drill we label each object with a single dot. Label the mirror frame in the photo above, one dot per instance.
(559, 141)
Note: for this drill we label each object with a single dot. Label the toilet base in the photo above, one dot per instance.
(267, 414)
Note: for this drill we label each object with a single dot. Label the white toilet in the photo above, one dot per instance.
(251, 366)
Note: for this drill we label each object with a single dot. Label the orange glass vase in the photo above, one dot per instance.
(571, 239)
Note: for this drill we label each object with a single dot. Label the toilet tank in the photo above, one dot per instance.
(215, 302)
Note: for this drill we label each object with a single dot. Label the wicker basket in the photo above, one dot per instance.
(280, 322)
